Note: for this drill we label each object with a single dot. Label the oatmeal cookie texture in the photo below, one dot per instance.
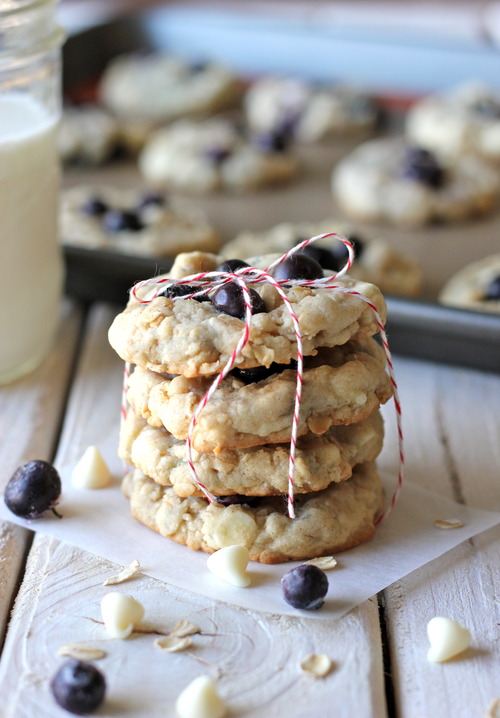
(337, 518)
(258, 471)
(341, 385)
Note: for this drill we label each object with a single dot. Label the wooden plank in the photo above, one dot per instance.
(30, 412)
(452, 429)
(255, 655)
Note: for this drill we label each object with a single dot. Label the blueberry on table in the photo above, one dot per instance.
(94, 207)
(182, 290)
(298, 266)
(493, 290)
(230, 300)
(78, 687)
(305, 587)
(422, 166)
(231, 265)
(116, 220)
(33, 488)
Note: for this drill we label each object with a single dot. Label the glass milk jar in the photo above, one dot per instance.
(31, 269)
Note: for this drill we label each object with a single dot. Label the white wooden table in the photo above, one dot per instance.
(48, 589)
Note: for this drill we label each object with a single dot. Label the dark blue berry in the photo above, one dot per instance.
(422, 166)
(94, 207)
(217, 155)
(230, 300)
(196, 67)
(487, 107)
(298, 266)
(238, 499)
(493, 290)
(78, 687)
(182, 290)
(116, 220)
(149, 199)
(305, 587)
(33, 488)
(259, 373)
(277, 140)
(231, 265)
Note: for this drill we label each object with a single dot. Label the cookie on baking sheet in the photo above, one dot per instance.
(87, 134)
(132, 222)
(193, 338)
(390, 180)
(158, 87)
(376, 260)
(476, 286)
(213, 155)
(258, 471)
(341, 385)
(337, 518)
(308, 113)
(464, 120)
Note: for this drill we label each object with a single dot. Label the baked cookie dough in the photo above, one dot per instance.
(377, 261)
(132, 222)
(389, 180)
(159, 88)
(87, 134)
(185, 336)
(476, 286)
(335, 519)
(307, 113)
(258, 471)
(341, 385)
(461, 121)
(210, 156)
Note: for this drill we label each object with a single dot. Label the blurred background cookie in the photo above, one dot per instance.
(87, 134)
(476, 286)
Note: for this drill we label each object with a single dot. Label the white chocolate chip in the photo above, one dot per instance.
(231, 525)
(447, 638)
(325, 563)
(120, 614)
(318, 665)
(185, 628)
(91, 471)
(124, 575)
(230, 564)
(200, 700)
(173, 644)
(448, 523)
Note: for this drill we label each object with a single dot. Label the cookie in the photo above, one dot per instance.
(193, 338)
(389, 180)
(211, 156)
(476, 286)
(132, 222)
(461, 121)
(335, 519)
(160, 88)
(377, 261)
(341, 385)
(87, 134)
(306, 112)
(258, 471)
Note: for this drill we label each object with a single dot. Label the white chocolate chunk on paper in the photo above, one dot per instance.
(81, 651)
(185, 628)
(200, 700)
(125, 574)
(448, 524)
(120, 613)
(91, 471)
(230, 565)
(325, 563)
(173, 644)
(447, 638)
(317, 665)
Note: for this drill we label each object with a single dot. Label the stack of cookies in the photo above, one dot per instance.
(241, 440)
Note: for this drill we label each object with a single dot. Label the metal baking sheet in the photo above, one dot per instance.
(420, 329)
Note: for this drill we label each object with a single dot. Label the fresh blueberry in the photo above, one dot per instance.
(217, 155)
(231, 265)
(116, 220)
(305, 587)
(298, 266)
(277, 140)
(33, 488)
(493, 290)
(230, 300)
(259, 373)
(78, 687)
(149, 199)
(422, 166)
(182, 290)
(336, 257)
(238, 499)
(94, 207)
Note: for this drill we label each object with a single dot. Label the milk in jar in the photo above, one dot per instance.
(30, 259)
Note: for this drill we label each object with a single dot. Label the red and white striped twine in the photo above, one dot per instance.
(210, 281)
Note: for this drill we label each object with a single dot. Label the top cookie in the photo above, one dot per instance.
(193, 338)
(463, 120)
(305, 112)
(159, 88)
